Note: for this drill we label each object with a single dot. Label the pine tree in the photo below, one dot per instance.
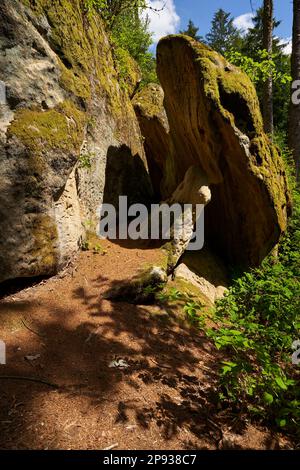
(223, 35)
(192, 31)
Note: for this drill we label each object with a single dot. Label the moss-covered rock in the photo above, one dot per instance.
(41, 131)
(142, 289)
(64, 105)
(216, 124)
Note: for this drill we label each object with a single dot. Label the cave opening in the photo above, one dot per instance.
(126, 175)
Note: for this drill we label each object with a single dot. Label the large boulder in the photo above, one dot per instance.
(64, 114)
(215, 124)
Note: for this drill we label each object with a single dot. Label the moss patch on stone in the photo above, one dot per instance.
(86, 60)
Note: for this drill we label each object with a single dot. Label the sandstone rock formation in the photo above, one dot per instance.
(215, 124)
(63, 115)
(142, 289)
(192, 191)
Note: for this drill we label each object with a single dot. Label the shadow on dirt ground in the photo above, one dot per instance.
(162, 395)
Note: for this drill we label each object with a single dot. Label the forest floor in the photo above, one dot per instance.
(64, 332)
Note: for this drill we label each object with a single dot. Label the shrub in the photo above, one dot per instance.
(258, 321)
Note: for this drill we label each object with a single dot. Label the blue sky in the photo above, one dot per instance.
(177, 13)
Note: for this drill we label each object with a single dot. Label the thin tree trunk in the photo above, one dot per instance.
(268, 27)
(294, 118)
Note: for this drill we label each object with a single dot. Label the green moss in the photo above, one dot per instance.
(185, 287)
(77, 84)
(216, 72)
(86, 62)
(271, 170)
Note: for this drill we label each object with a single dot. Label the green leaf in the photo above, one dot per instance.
(281, 422)
(268, 398)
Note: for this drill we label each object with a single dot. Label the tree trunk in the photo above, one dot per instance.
(294, 118)
(268, 26)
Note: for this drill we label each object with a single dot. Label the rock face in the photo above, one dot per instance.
(63, 114)
(149, 108)
(215, 124)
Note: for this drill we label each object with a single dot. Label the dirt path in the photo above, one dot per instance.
(162, 400)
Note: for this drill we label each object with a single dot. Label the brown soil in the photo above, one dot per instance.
(163, 400)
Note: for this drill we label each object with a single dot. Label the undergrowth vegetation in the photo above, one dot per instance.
(258, 322)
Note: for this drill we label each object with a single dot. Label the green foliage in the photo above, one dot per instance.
(251, 47)
(131, 34)
(172, 295)
(129, 29)
(259, 70)
(257, 322)
(111, 10)
(192, 31)
(223, 35)
(192, 310)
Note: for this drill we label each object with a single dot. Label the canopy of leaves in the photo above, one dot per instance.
(259, 70)
(131, 32)
(111, 9)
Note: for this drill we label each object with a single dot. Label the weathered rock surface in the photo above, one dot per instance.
(150, 111)
(215, 123)
(64, 113)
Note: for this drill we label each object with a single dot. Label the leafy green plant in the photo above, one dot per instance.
(85, 160)
(130, 36)
(85, 246)
(98, 250)
(111, 10)
(257, 323)
(171, 294)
